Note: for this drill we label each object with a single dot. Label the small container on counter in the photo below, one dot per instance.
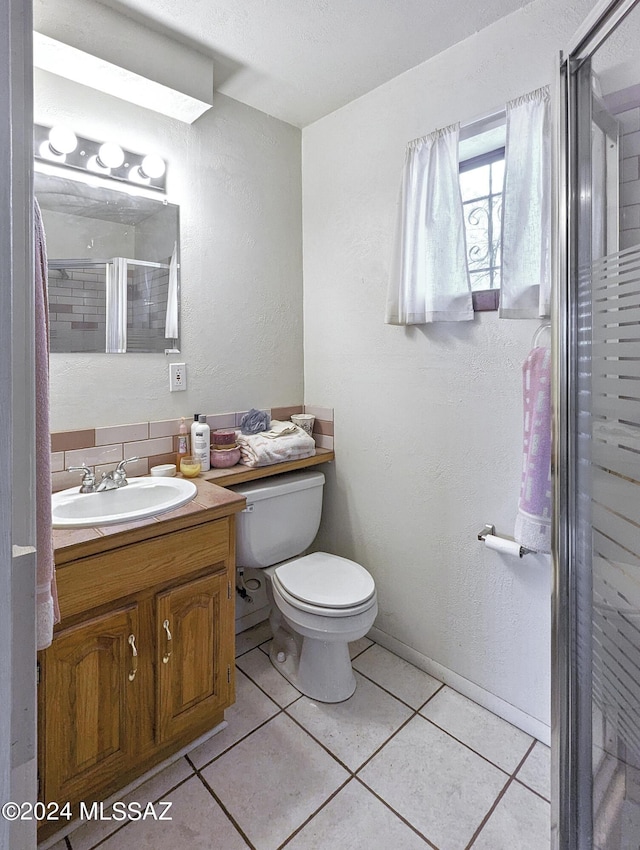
(190, 466)
(224, 458)
(223, 438)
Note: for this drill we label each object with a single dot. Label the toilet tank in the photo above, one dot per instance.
(281, 519)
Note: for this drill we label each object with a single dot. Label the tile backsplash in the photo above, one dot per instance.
(152, 442)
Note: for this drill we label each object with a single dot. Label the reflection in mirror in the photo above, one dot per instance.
(113, 268)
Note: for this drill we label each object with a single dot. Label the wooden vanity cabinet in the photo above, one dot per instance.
(142, 662)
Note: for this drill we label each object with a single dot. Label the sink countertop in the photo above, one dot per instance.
(212, 501)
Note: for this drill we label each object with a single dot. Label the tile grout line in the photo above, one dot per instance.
(317, 811)
(395, 696)
(231, 746)
(533, 790)
(126, 823)
(475, 752)
(397, 814)
(228, 814)
(494, 806)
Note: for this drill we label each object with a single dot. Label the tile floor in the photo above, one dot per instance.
(406, 763)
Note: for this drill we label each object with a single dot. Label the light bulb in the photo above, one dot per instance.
(46, 153)
(62, 140)
(152, 166)
(110, 155)
(136, 176)
(93, 164)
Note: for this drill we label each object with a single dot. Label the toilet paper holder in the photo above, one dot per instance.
(491, 530)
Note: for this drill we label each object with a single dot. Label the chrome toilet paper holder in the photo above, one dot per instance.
(491, 530)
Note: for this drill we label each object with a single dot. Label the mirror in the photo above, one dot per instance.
(113, 268)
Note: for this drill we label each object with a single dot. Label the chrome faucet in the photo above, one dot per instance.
(116, 478)
(88, 478)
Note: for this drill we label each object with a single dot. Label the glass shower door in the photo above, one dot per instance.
(597, 548)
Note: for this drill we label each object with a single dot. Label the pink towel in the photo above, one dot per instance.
(47, 612)
(533, 521)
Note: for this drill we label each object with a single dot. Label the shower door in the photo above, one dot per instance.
(596, 709)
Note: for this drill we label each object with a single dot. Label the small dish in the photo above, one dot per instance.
(163, 470)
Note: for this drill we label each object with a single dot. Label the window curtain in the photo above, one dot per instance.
(526, 209)
(429, 280)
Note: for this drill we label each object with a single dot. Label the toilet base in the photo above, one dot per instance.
(319, 669)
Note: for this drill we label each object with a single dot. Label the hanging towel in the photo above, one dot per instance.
(533, 521)
(171, 319)
(47, 612)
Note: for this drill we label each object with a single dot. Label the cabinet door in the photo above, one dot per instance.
(91, 704)
(195, 656)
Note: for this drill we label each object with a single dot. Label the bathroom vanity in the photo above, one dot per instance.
(142, 662)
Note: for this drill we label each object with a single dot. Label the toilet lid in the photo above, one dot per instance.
(326, 580)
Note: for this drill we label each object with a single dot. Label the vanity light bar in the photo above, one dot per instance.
(59, 146)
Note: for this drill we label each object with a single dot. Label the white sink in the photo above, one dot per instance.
(141, 497)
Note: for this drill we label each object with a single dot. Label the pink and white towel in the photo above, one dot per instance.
(533, 521)
(47, 613)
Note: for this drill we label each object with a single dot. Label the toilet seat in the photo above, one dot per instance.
(325, 584)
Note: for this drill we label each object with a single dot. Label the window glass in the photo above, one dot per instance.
(481, 182)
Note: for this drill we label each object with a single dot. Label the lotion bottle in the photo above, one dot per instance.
(201, 441)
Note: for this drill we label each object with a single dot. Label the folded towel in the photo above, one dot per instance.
(533, 521)
(262, 450)
(279, 429)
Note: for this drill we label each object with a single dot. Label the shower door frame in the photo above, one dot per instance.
(571, 709)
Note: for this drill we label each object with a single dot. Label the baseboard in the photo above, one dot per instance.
(252, 619)
(515, 716)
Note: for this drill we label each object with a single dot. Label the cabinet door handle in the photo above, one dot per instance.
(167, 653)
(134, 653)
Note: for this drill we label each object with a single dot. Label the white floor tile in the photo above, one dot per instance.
(402, 679)
(481, 730)
(353, 730)
(356, 820)
(260, 669)
(272, 781)
(91, 832)
(250, 638)
(250, 709)
(197, 821)
(358, 646)
(521, 820)
(536, 771)
(442, 788)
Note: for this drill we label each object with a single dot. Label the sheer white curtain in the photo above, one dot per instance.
(526, 211)
(429, 280)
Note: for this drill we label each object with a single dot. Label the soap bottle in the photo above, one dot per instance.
(201, 441)
(183, 442)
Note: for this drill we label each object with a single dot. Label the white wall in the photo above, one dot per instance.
(427, 420)
(236, 175)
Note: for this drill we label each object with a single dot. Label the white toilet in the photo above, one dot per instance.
(319, 602)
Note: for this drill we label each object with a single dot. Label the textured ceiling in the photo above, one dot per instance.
(301, 59)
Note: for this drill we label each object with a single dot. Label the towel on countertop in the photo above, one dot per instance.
(280, 429)
(533, 521)
(283, 442)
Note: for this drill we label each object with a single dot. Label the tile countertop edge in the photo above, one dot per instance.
(212, 501)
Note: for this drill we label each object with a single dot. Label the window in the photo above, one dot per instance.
(481, 180)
